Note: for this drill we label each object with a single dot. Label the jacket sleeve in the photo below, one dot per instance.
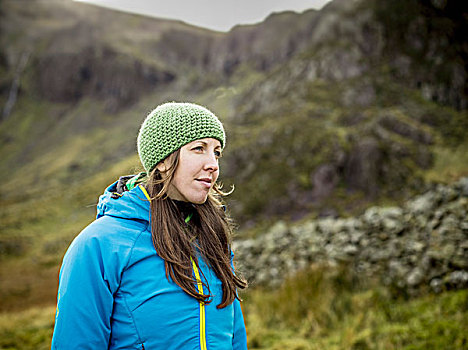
(239, 340)
(88, 278)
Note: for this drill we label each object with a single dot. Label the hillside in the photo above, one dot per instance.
(327, 112)
(334, 82)
(346, 143)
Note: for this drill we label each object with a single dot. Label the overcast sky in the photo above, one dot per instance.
(219, 15)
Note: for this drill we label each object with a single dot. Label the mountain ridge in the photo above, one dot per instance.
(322, 117)
(325, 70)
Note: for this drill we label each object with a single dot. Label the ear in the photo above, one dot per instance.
(161, 167)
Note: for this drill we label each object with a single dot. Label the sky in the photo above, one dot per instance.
(220, 15)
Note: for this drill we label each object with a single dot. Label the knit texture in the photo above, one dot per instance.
(171, 126)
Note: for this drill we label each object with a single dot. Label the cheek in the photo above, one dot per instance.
(178, 180)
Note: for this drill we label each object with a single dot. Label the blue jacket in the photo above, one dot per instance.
(114, 294)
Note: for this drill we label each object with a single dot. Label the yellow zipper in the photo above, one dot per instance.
(202, 307)
(199, 286)
(143, 189)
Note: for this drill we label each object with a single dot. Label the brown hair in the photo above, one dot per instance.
(178, 243)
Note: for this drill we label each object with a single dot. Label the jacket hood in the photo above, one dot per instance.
(133, 204)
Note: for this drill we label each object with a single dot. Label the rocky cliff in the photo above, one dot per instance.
(326, 110)
(345, 39)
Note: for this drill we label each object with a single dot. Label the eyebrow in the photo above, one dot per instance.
(206, 144)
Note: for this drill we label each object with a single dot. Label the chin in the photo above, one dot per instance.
(198, 199)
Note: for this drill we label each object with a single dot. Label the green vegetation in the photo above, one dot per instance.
(27, 330)
(282, 124)
(450, 164)
(318, 310)
(51, 184)
(314, 310)
(278, 147)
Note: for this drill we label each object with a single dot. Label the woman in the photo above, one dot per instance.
(154, 270)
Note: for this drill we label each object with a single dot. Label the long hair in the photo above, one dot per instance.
(208, 234)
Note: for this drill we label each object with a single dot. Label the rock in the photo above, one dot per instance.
(458, 279)
(423, 204)
(397, 268)
(416, 247)
(436, 285)
(355, 237)
(372, 217)
(363, 95)
(392, 226)
(405, 129)
(362, 166)
(278, 229)
(350, 249)
(424, 243)
(415, 277)
(462, 186)
(107, 75)
(324, 180)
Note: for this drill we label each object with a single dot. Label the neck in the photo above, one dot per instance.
(185, 208)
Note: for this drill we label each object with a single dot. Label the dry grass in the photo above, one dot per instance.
(321, 310)
(314, 310)
(27, 330)
(449, 164)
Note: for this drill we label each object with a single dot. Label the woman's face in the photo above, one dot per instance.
(196, 172)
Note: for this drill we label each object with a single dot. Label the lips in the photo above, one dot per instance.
(205, 181)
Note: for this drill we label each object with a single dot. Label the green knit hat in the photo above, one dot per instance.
(171, 126)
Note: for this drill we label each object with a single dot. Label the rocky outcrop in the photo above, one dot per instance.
(14, 87)
(364, 166)
(99, 73)
(310, 92)
(425, 47)
(346, 39)
(421, 244)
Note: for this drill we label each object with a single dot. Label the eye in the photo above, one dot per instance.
(218, 154)
(197, 148)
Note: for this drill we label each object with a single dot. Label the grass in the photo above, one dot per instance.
(450, 164)
(317, 309)
(27, 330)
(35, 232)
(50, 152)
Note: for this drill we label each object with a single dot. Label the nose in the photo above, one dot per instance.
(211, 163)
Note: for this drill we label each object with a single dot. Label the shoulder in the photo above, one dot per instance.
(106, 240)
(108, 229)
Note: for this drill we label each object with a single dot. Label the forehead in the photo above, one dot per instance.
(207, 141)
